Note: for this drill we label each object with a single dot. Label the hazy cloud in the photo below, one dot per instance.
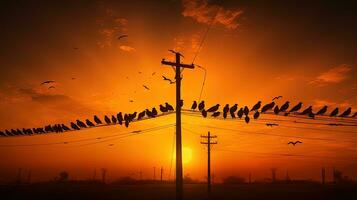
(127, 48)
(334, 75)
(204, 12)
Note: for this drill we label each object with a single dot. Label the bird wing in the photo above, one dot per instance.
(122, 36)
(298, 142)
(146, 87)
(46, 82)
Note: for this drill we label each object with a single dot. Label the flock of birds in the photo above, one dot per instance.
(214, 111)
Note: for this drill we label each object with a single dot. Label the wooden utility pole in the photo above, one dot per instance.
(208, 142)
(178, 66)
(161, 172)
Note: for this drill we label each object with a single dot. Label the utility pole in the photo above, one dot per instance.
(29, 177)
(323, 172)
(208, 142)
(178, 66)
(161, 172)
(104, 174)
(154, 173)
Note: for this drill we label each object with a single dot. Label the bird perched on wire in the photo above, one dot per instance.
(107, 120)
(194, 105)
(322, 111)
(247, 119)
(307, 111)
(122, 36)
(346, 112)
(276, 110)
(240, 113)
(256, 115)
(334, 112)
(81, 124)
(65, 128)
(216, 114)
(296, 108)
(213, 108)
(163, 108)
(120, 118)
(169, 80)
(74, 126)
(146, 87)
(114, 119)
(256, 106)
(97, 120)
(181, 103)
(246, 110)
(284, 107)
(47, 82)
(354, 115)
(204, 113)
(268, 106)
(89, 123)
(154, 112)
(201, 105)
(169, 107)
(142, 114)
(233, 109)
(225, 111)
(294, 143)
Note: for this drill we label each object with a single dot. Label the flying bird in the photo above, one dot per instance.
(334, 112)
(296, 108)
(47, 82)
(256, 106)
(194, 105)
(146, 87)
(122, 36)
(322, 111)
(213, 108)
(153, 73)
(131, 101)
(271, 124)
(201, 106)
(277, 97)
(346, 112)
(268, 106)
(169, 80)
(284, 107)
(294, 143)
(111, 145)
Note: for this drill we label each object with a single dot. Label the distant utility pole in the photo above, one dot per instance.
(208, 142)
(323, 174)
(250, 178)
(154, 173)
(273, 175)
(29, 177)
(179, 175)
(104, 174)
(161, 172)
(19, 175)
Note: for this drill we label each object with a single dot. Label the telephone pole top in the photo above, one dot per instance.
(208, 141)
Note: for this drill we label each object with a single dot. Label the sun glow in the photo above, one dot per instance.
(186, 155)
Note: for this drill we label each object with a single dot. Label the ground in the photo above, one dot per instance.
(192, 191)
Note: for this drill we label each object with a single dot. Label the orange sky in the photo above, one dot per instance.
(252, 52)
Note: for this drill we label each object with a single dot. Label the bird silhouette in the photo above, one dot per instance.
(74, 126)
(334, 112)
(126, 123)
(268, 106)
(65, 128)
(120, 118)
(246, 110)
(142, 114)
(276, 110)
(213, 108)
(311, 115)
(204, 113)
(154, 112)
(107, 120)
(2, 134)
(240, 113)
(194, 105)
(296, 108)
(169, 107)
(110, 145)
(13, 132)
(256, 115)
(51, 87)
(148, 113)
(122, 36)
(81, 124)
(114, 119)
(169, 80)
(346, 112)
(277, 97)
(354, 115)
(47, 82)
(225, 111)
(132, 116)
(146, 87)
(162, 108)
(294, 143)
(201, 105)
(89, 123)
(284, 107)
(181, 103)
(322, 111)
(234, 108)
(271, 124)
(8, 133)
(216, 114)
(97, 120)
(19, 132)
(247, 119)
(307, 111)
(256, 106)
(48, 128)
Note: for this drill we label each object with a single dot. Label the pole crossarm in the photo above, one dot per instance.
(175, 64)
